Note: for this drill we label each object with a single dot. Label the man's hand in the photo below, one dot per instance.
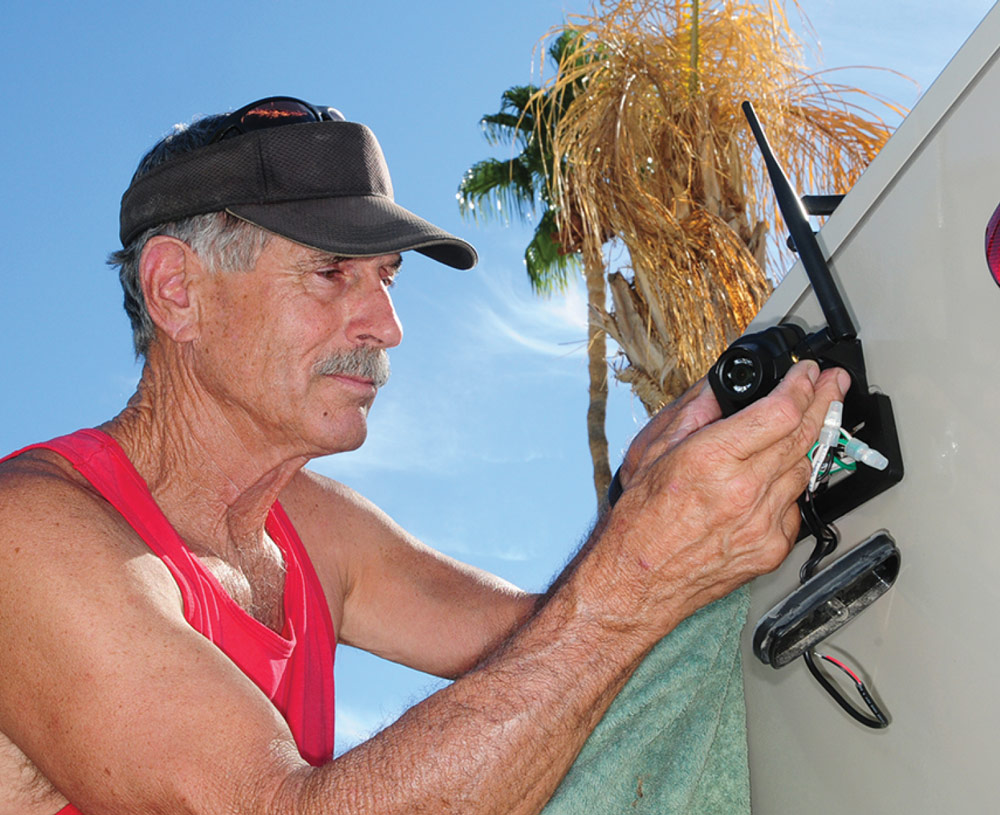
(672, 424)
(709, 504)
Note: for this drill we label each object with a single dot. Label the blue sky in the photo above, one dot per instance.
(478, 443)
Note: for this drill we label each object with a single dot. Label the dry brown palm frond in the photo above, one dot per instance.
(654, 152)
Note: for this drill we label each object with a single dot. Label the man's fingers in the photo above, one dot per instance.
(776, 436)
(698, 411)
(792, 449)
(695, 409)
(771, 419)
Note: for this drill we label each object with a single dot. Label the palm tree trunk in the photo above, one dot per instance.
(597, 365)
(693, 81)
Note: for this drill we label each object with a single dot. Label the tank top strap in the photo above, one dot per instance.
(98, 458)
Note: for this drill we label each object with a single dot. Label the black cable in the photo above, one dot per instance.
(826, 542)
(879, 721)
(825, 535)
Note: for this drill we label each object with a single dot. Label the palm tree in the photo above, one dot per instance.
(655, 153)
(493, 188)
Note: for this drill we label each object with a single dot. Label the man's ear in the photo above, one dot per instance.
(169, 271)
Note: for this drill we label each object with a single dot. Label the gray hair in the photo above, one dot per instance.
(224, 242)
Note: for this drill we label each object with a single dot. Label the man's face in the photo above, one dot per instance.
(272, 343)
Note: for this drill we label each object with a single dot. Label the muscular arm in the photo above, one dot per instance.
(125, 709)
(389, 593)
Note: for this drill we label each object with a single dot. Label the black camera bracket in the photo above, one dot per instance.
(755, 363)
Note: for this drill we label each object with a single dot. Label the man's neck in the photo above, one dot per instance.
(214, 477)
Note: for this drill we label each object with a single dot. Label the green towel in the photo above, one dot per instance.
(674, 742)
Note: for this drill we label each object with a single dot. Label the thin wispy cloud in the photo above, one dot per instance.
(359, 721)
(516, 319)
(474, 547)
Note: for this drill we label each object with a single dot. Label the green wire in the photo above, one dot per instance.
(838, 463)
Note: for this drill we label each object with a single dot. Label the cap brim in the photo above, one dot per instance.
(358, 226)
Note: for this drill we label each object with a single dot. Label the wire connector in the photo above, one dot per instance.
(859, 451)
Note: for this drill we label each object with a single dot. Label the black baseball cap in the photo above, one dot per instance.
(323, 184)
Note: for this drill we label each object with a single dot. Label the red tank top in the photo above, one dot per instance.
(294, 669)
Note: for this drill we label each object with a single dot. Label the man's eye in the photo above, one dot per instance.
(331, 273)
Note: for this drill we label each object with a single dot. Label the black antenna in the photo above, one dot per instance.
(839, 321)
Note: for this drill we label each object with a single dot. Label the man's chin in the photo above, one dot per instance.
(356, 444)
(344, 440)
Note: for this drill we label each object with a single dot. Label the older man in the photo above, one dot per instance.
(173, 583)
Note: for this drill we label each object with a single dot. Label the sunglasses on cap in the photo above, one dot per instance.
(273, 111)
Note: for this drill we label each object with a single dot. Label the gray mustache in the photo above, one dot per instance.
(364, 362)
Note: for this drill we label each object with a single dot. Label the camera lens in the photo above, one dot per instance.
(740, 373)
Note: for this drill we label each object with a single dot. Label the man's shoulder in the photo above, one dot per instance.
(311, 497)
(342, 531)
(60, 539)
(37, 477)
(47, 508)
(308, 483)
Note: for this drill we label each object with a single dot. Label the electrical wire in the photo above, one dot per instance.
(839, 461)
(877, 722)
(826, 536)
(827, 540)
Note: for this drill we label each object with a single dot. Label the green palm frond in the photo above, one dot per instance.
(492, 189)
(548, 264)
(520, 185)
(512, 124)
(528, 120)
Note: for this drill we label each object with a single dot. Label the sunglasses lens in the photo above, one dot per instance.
(275, 112)
(278, 110)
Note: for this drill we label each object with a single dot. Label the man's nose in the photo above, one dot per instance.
(375, 320)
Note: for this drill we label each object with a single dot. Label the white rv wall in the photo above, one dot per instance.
(908, 250)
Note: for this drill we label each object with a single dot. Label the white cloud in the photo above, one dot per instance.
(554, 326)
